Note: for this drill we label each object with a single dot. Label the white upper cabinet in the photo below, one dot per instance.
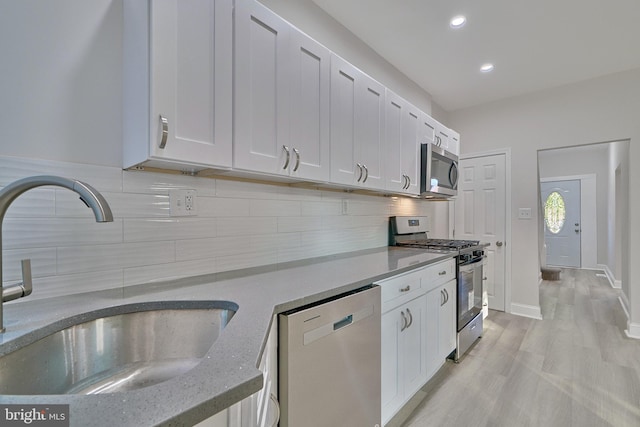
(261, 89)
(281, 97)
(402, 122)
(177, 84)
(357, 127)
(310, 126)
(454, 142)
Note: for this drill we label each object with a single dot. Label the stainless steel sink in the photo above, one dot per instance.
(115, 349)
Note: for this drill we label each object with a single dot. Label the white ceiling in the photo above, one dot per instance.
(534, 44)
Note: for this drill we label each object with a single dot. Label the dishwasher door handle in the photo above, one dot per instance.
(344, 322)
(329, 328)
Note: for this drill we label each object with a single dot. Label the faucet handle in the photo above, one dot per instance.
(27, 284)
(19, 290)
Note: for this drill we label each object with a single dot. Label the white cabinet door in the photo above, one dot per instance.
(261, 89)
(435, 298)
(370, 131)
(392, 360)
(309, 141)
(427, 129)
(454, 142)
(357, 127)
(447, 320)
(415, 346)
(177, 83)
(404, 345)
(441, 325)
(401, 130)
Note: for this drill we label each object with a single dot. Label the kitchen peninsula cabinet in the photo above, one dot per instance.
(177, 84)
(402, 146)
(281, 97)
(357, 127)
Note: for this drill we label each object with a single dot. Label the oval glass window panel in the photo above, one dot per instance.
(554, 212)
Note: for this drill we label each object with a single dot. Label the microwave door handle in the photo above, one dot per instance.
(454, 166)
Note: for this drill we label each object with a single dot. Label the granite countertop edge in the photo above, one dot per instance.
(228, 373)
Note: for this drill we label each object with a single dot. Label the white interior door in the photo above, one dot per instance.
(562, 229)
(480, 211)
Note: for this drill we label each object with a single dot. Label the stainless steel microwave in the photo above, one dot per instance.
(438, 172)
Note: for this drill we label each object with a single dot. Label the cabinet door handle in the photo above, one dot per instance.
(295, 150)
(442, 298)
(406, 288)
(286, 162)
(442, 273)
(446, 294)
(404, 321)
(165, 131)
(410, 318)
(366, 173)
(360, 169)
(408, 182)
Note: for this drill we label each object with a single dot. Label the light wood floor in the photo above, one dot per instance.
(574, 368)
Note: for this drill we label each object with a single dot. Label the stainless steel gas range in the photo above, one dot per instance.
(411, 231)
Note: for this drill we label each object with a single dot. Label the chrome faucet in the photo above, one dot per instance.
(89, 195)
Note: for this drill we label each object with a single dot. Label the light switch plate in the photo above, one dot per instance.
(524, 213)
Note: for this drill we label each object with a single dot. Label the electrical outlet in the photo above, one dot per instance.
(524, 213)
(183, 202)
(345, 207)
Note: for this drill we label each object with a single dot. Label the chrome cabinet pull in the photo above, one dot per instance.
(406, 288)
(404, 321)
(286, 162)
(295, 150)
(366, 171)
(410, 318)
(442, 299)
(446, 294)
(165, 131)
(442, 273)
(498, 244)
(360, 169)
(408, 182)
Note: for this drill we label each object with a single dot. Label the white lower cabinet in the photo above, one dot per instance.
(403, 354)
(418, 331)
(261, 409)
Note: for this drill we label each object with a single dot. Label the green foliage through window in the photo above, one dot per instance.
(554, 212)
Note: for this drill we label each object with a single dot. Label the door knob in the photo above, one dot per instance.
(498, 244)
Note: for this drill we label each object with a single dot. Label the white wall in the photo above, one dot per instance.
(61, 85)
(598, 110)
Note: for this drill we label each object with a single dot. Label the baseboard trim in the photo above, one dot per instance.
(633, 330)
(532, 311)
(616, 284)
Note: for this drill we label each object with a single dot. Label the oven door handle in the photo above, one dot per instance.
(470, 265)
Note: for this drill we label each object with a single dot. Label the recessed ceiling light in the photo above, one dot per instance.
(457, 21)
(485, 68)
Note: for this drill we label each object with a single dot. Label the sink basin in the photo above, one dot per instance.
(115, 349)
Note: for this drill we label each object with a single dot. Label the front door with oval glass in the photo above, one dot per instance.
(561, 208)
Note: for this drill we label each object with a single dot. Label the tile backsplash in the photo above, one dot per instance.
(239, 224)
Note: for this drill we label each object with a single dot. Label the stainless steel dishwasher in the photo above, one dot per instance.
(329, 362)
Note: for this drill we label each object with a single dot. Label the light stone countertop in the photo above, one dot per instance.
(228, 373)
